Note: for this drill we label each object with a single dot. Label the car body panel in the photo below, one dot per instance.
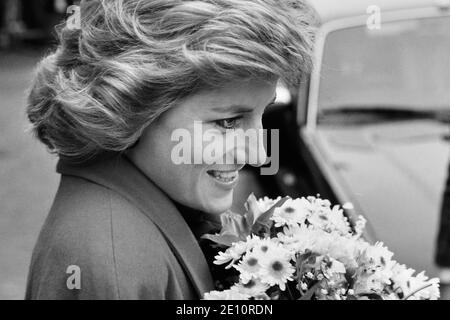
(393, 172)
(373, 167)
(334, 10)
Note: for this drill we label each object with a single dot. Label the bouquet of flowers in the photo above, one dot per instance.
(305, 249)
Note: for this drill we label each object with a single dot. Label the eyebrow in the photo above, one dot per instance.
(239, 108)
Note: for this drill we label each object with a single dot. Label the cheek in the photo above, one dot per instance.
(186, 179)
(215, 147)
(197, 152)
(212, 198)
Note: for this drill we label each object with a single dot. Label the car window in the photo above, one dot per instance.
(405, 64)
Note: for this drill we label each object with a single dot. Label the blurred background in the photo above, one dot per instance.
(370, 126)
(27, 175)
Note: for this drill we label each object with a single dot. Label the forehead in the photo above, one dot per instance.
(253, 94)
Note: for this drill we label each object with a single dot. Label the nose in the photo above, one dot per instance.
(250, 148)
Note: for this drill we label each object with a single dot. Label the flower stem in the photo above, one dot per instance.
(291, 295)
(418, 290)
(308, 295)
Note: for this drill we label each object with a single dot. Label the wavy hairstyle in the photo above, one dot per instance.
(132, 60)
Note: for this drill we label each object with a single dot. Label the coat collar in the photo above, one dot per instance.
(121, 175)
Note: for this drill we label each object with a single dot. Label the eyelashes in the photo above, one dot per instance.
(235, 122)
(229, 124)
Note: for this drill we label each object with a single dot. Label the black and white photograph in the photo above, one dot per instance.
(216, 150)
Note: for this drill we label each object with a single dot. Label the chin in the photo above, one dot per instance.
(218, 206)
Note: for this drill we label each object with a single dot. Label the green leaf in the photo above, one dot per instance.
(370, 296)
(222, 239)
(417, 290)
(263, 223)
(309, 294)
(251, 206)
(236, 227)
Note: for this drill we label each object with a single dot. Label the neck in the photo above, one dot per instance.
(200, 222)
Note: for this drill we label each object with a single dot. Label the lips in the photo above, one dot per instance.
(224, 176)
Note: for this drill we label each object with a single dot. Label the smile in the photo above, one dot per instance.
(225, 177)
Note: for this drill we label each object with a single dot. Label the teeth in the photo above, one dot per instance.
(224, 176)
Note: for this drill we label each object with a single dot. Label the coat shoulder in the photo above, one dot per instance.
(118, 249)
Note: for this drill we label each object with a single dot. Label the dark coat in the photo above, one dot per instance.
(125, 235)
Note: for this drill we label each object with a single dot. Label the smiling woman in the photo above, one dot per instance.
(107, 102)
(204, 185)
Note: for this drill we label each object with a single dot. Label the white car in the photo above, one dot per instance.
(371, 125)
(376, 120)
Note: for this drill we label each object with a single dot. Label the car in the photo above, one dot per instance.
(370, 126)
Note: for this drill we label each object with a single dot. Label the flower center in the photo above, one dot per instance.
(250, 284)
(289, 210)
(277, 266)
(252, 262)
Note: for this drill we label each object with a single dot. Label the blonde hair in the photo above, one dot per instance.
(132, 60)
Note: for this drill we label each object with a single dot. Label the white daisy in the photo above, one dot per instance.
(266, 203)
(235, 252)
(253, 288)
(376, 256)
(276, 270)
(223, 257)
(263, 246)
(360, 225)
(404, 282)
(339, 222)
(292, 212)
(249, 267)
(230, 294)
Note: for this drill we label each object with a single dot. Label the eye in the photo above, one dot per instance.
(230, 123)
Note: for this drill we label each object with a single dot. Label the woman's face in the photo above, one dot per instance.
(206, 185)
